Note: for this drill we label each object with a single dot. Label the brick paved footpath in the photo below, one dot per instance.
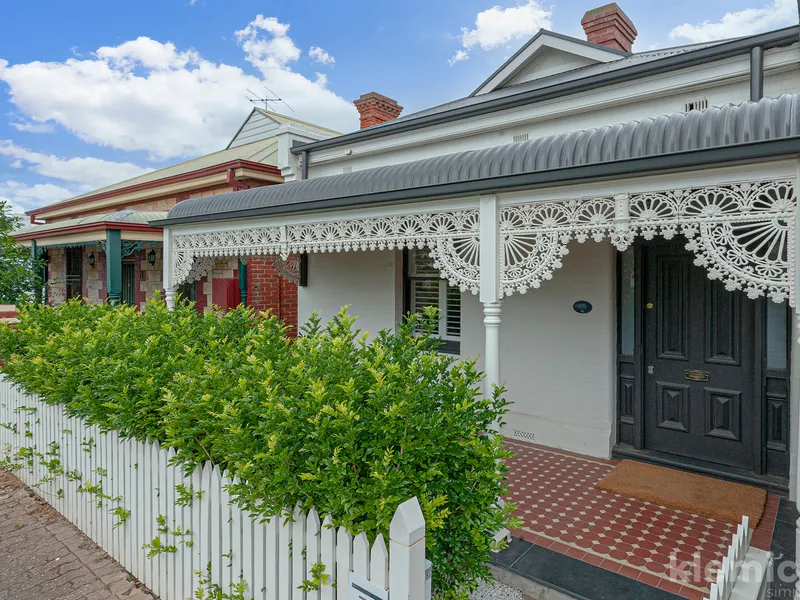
(44, 557)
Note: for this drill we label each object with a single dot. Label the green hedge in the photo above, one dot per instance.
(332, 420)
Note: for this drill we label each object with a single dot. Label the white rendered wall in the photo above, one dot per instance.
(364, 280)
(558, 365)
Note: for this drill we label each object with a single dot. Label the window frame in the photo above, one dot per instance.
(447, 344)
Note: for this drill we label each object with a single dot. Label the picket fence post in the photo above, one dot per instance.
(407, 552)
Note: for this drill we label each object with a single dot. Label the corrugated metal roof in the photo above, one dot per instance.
(140, 217)
(642, 64)
(284, 119)
(262, 151)
(543, 82)
(768, 119)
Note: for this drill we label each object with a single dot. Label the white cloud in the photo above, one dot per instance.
(776, 14)
(497, 26)
(321, 56)
(458, 57)
(32, 127)
(87, 172)
(147, 95)
(22, 197)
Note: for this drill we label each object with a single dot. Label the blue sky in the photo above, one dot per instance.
(93, 92)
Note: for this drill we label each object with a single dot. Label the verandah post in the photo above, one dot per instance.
(114, 265)
(407, 552)
(490, 289)
(169, 289)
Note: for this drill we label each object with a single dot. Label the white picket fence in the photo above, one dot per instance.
(128, 485)
(746, 572)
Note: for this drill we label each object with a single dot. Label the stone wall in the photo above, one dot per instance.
(150, 277)
(56, 275)
(94, 278)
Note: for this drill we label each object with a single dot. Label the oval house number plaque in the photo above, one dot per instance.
(582, 307)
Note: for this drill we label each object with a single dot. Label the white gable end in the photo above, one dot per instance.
(546, 54)
(548, 62)
(258, 126)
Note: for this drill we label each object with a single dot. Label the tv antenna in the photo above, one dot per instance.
(272, 97)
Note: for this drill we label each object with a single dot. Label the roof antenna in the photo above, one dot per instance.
(273, 97)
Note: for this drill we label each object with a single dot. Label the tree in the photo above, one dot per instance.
(19, 273)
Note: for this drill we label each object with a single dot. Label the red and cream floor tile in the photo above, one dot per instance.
(561, 509)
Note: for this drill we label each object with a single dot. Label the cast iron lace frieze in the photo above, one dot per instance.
(451, 236)
(742, 234)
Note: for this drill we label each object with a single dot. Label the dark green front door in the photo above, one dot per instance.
(129, 283)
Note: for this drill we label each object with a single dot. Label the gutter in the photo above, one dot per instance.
(75, 229)
(158, 183)
(781, 37)
(678, 161)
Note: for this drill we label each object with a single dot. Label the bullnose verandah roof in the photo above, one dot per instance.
(747, 131)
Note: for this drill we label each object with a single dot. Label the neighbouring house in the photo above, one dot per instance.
(612, 233)
(100, 246)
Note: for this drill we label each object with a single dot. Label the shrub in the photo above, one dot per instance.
(332, 420)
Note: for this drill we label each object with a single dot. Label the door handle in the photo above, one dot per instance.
(650, 369)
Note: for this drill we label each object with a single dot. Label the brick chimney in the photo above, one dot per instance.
(375, 108)
(609, 26)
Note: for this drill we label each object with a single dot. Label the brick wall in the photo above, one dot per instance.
(268, 292)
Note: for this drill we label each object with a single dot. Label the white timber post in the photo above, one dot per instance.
(166, 259)
(490, 288)
(794, 373)
(407, 552)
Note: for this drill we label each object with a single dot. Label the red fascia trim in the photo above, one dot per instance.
(106, 225)
(212, 170)
(235, 184)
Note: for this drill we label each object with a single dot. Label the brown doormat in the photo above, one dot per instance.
(685, 491)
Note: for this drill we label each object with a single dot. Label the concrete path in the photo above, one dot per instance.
(44, 557)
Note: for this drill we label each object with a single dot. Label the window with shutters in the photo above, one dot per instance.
(425, 287)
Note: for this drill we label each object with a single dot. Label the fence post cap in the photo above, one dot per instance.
(408, 524)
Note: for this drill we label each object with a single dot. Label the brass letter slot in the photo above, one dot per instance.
(696, 375)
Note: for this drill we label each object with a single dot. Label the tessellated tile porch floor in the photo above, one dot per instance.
(560, 509)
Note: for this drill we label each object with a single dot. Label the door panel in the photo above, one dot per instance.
(700, 393)
(128, 283)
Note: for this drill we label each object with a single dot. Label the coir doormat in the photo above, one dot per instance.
(685, 491)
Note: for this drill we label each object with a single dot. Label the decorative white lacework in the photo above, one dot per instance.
(452, 238)
(742, 234)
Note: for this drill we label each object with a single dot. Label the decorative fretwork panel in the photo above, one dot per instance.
(742, 234)
(452, 238)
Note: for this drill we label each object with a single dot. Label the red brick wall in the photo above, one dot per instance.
(268, 292)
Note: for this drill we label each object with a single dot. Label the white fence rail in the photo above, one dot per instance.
(746, 572)
(124, 495)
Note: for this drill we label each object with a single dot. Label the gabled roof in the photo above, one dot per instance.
(748, 131)
(262, 123)
(634, 66)
(583, 52)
